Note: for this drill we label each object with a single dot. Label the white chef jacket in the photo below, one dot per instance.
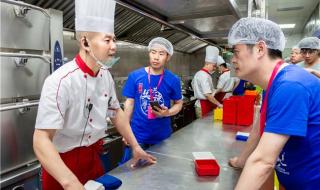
(227, 83)
(64, 101)
(202, 84)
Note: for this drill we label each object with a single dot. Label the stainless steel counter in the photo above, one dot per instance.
(175, 169)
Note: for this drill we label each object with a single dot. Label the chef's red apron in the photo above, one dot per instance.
(84, 162)
(206, 105)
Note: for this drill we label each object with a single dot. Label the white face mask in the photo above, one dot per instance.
(108, 63)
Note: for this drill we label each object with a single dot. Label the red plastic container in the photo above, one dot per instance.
(230, 110)
(207, 167)
(245, 110)
(238, 110)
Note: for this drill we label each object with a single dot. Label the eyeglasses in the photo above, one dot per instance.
(308, 51)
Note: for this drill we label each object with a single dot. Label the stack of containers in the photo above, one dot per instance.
(230, 110)
(245, 110)
(239, 110)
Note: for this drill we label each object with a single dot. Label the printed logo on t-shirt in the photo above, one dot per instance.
(145, 99)
(281, 164)
(140, 87)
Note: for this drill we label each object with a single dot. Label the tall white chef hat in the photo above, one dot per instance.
(212, 54)
(220, 61)
(95, 16)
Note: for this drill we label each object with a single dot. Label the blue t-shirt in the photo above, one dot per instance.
(151, 131)
(294, 110)
(239, 90)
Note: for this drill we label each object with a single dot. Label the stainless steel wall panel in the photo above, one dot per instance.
(16, 138)
(22, 81)
(29, 32)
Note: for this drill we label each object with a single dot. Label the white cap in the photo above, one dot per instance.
(220, 61)
(162, 43)
(95, 16)
(212, 54)
(251, 30)
(309, 43)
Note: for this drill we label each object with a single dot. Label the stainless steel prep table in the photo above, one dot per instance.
(175, 169)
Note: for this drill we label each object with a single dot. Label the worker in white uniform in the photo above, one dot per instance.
(226, 82)
(203, 86)
(75, 102)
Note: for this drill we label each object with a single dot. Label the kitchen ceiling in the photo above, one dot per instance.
(189, 24)
(291, 12)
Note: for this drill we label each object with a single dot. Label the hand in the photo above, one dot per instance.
(309, 70)
(220, 105)
(161, 112)
(125, 141)
(313, 71)
(236, 163)
(141, 155)
(73, 185)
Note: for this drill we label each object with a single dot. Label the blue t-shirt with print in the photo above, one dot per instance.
(151, 131)
(294, 110)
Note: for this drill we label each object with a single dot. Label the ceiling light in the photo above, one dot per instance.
(287, 25)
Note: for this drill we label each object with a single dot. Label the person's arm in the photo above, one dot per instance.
(251, 144)
(261, 162)
(176, 96)
(313, 71)
(128, 107)
(54, 102)
(51, 160)
(216, 91)
(121, 122)
(165, 112)
(128, 110)
(213, 100)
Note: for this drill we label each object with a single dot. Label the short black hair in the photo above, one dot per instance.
(224, 65)
(272, 53)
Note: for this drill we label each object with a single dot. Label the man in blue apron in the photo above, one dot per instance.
(290, 113)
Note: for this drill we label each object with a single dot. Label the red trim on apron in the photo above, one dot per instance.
(207, 106)
(263, 113)
(205, 70)
(84, 162)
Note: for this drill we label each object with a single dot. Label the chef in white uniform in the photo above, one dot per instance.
(75, 102)
(226, 83)
(203, 86)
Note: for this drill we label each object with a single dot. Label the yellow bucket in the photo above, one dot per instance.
(217, 114)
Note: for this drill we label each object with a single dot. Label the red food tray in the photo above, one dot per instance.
(207, 167)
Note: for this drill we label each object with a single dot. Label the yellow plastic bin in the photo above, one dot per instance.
(217, 114)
